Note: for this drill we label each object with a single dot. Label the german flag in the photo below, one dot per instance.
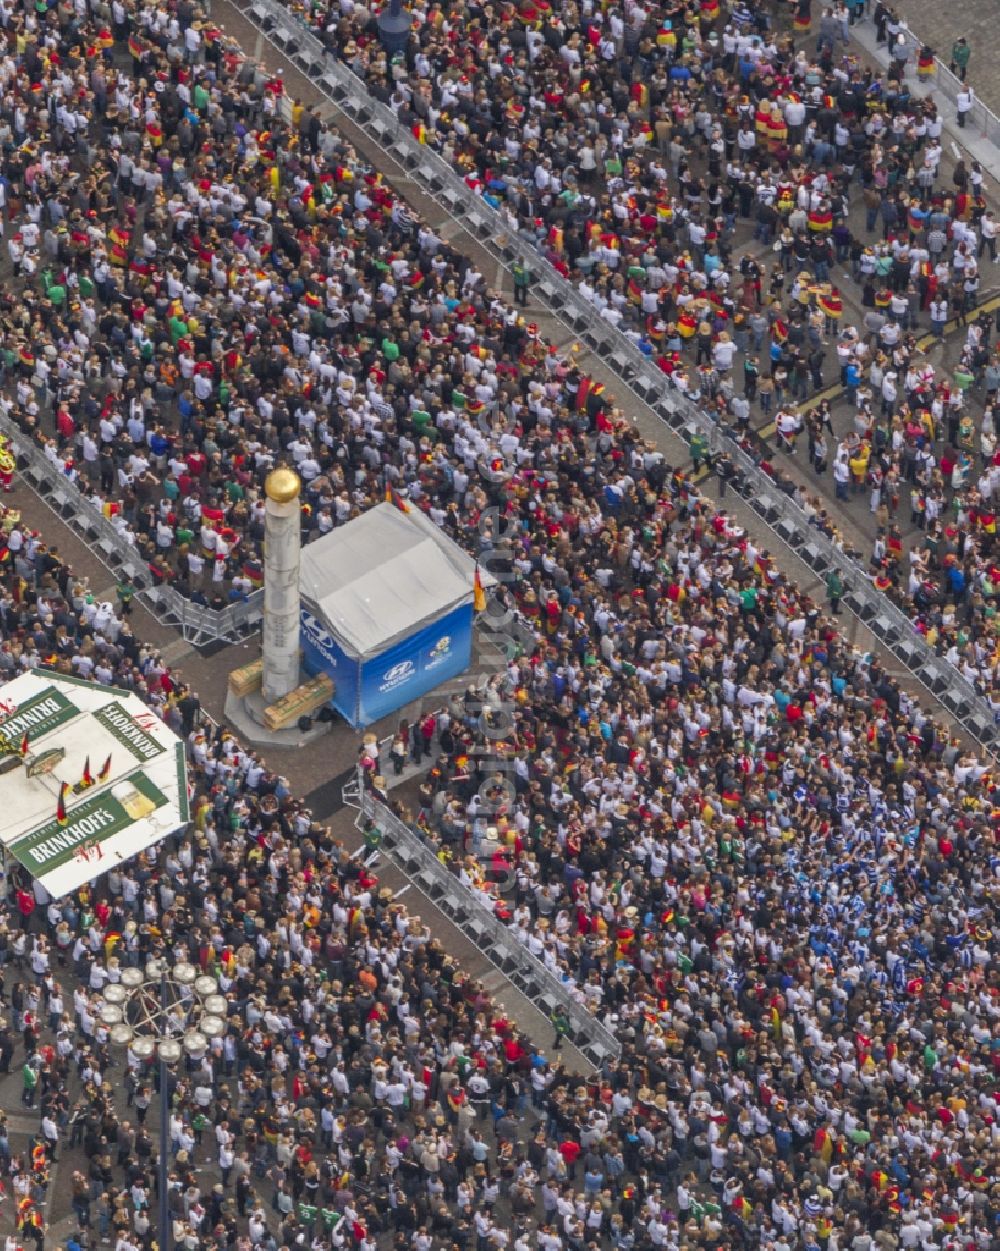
(687, 325)
(634, 291)
(88, 778)
(802, 21)
(786, 200)
(61, 816)
(583, 392)
(27, 357)
(883, 298)
(105, 772)
(154, 134)
(709, 10)
(419, 132)
(478, 594)
(24, 745)
(820, 221)
(831, 303)
(779, 331)
(640, 94)
(135, 47)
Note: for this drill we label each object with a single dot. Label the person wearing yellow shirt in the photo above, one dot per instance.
(859, 466)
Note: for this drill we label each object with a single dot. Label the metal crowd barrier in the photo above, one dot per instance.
(638, 375)
(198, 625)
(491, 936)
(981, 121)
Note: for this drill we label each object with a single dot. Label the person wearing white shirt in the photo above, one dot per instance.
(988, 229)
(964, 101)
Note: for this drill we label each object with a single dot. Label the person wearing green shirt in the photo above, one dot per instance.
(372, 837)
(560, 1023)
(748, 598)
(126, 593)
(522, 280)
(178, 328)
(698, 447)
(960, 53)
(30, 1078)
(834, 590)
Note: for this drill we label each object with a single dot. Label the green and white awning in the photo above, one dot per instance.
(89, 778)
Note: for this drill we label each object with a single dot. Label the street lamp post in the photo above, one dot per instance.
(162, 1012)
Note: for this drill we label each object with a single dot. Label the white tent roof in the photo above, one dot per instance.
(138, 789)
(383, 576)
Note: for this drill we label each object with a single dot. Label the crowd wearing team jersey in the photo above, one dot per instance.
(210, 278)
(630, 145)
(740, 843)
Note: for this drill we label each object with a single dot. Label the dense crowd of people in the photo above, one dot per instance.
(630, 146)
(208, 276)
(343, 1107)
(737, 840)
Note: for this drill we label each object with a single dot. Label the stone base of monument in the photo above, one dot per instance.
(247, 716)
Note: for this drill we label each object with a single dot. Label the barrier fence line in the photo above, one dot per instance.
(981, 119)
(198, 623)
(638, 375)
(479, 923)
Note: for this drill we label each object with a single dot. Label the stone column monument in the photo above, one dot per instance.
(282, 550)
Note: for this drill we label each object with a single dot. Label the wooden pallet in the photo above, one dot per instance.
(247, 679)
(305, 699)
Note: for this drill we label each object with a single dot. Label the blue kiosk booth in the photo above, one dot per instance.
(387, 609)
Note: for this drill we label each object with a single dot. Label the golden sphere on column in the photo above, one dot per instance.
(282, 485)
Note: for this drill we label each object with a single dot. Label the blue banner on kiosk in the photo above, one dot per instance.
(416, 665)
(366, 690)
(321, 653)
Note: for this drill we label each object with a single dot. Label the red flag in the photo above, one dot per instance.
(87, 779)
(24, 745)
(105, 772)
